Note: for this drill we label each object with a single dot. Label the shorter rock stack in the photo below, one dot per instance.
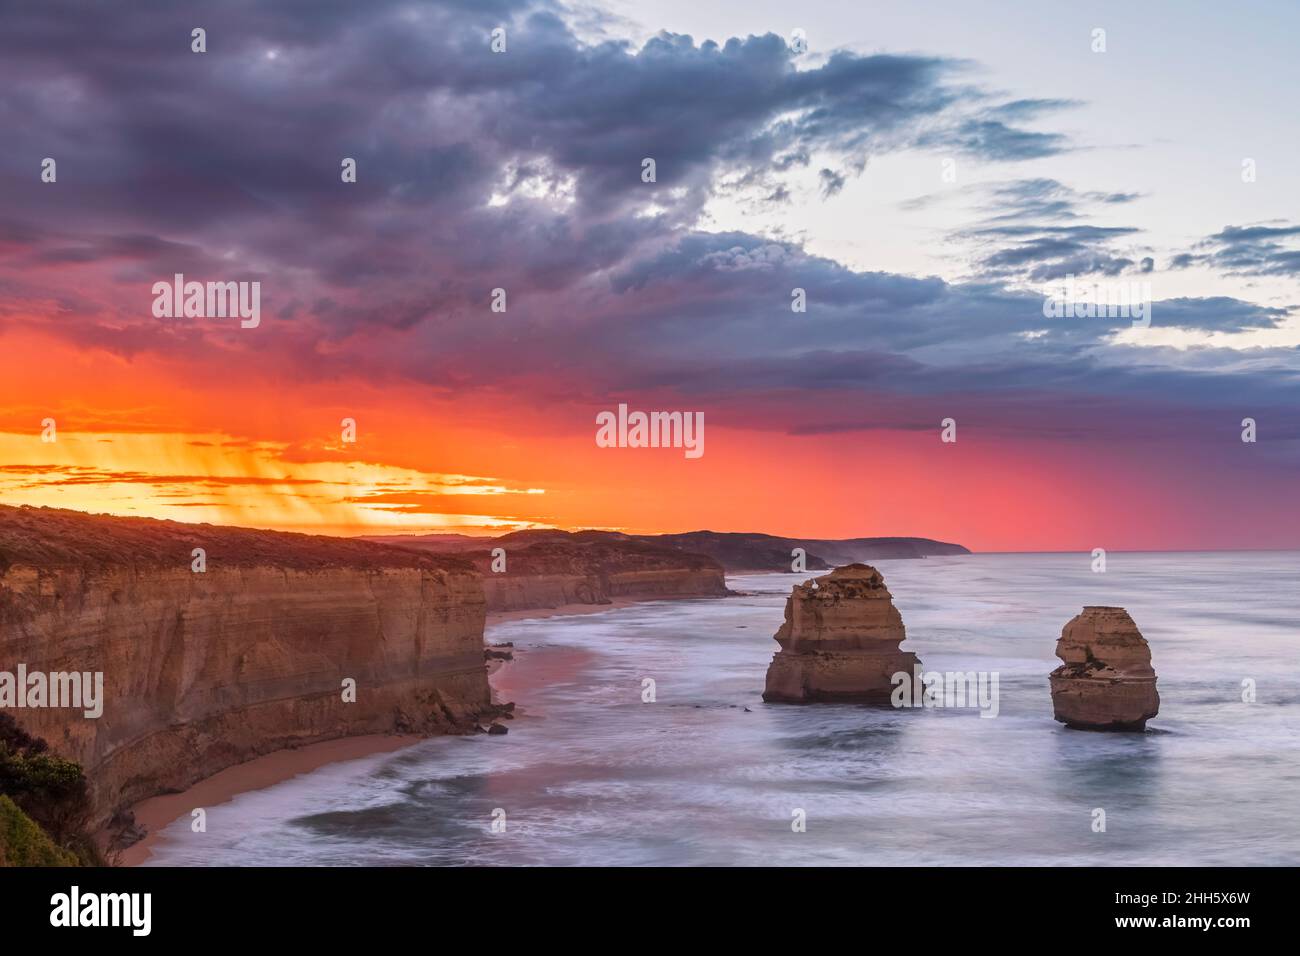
(839, 641)
(1106, 682)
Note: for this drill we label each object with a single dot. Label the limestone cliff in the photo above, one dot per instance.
(1106, 682)
(548, 569)
(205, 670)
(840, 641)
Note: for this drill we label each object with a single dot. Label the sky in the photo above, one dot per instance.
(931, 175)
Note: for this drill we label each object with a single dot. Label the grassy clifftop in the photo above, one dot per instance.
(54, 537)
(23, 843)
(43, 804)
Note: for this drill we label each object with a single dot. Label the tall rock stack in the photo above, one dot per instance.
(1106, 682)
(839, 641)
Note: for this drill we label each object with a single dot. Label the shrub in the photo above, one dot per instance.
(23, 843)
(48, 790)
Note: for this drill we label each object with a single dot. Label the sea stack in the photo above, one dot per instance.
(1106, 682)
(839, 641)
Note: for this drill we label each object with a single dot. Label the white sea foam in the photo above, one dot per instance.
(695, 778)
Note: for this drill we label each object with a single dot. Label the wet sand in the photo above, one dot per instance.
(157, 813)
(564, 610)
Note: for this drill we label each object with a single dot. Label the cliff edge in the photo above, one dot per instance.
(550, 569)
(205, 669)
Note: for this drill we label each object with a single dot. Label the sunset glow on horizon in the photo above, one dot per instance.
(784, 178)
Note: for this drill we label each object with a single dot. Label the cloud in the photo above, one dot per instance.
(521, 171)
(993, 139)
(832, 182)
(224, 160)
(1032, 233)
(1261, 250)
(1045, 199)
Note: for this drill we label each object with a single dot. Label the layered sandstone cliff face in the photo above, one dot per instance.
(205, 670)
(549, 569)
(518, 592)
(1106, 682)
(840, 641)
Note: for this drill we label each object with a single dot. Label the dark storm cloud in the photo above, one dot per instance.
(134, 93)
(523, 171)
(708, 321)
(733, 285)
(236, 152)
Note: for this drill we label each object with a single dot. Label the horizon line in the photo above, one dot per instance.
(382, 533)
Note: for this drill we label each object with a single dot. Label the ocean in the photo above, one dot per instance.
(708, 774)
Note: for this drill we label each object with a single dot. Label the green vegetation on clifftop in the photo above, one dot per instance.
(23, 843)
(44, 804)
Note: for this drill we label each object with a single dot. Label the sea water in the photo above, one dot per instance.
(592, 773)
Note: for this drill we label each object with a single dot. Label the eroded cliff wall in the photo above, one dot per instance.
(549, 569)
(518, 592)
(205, 670)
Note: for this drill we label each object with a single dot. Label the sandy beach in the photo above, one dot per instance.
(157, 813)
(564, 610)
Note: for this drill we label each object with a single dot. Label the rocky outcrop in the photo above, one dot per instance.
(1106, 682)
(840, 641)
(549, 569)
(202, 670)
